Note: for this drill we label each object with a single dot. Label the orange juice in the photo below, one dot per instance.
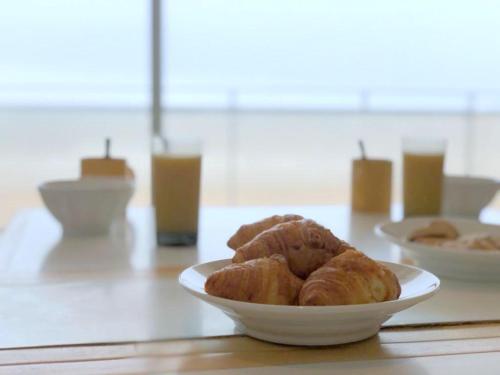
(422, 183)
(371, 185)
(176, 193)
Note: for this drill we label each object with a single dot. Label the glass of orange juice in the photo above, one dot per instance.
(176, 172)
(423, 163)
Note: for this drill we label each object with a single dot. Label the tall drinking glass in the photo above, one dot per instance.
(176, 170)
(423, 162)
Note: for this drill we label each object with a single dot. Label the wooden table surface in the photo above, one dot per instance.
(424, 349)
(391, 351)
(461, 349)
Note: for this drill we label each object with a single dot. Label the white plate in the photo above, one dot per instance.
(312, 325)
(471, 265)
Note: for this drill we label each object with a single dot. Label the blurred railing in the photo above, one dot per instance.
(272, 97)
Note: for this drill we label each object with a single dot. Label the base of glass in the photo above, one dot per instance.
(176, 238)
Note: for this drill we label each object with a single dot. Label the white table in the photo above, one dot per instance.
(62, 297)
(122, 288)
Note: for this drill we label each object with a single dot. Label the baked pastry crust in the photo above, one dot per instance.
(348, 279)
(248, 231)
(475, 241)
(263, 280)
(304, 243)
(440, 229)
(442, 233)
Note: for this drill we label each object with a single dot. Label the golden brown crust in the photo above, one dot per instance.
(248, 231)
(304, 243)
(474, 241)
(432, 241)
(436, 229)
(350, 278)
(442, 233)
(264, 280)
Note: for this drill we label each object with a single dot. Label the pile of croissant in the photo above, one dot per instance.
(289, 260)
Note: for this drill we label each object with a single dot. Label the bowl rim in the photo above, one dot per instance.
(88, 184)
(341, 309)
(471, 180)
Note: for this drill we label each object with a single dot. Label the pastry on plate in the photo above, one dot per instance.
(348, 279)
(263, 280)
(434, 241)
(304, 243)
(248, 231)
(442, 233)
(437, 229)
(475, 241)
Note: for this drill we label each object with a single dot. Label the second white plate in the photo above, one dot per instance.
(470, 265)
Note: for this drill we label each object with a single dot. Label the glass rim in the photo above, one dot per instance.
(424, 145)
(374, 160)
(177, 145)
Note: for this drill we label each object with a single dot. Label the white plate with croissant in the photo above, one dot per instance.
(291, 281)
(453, 248)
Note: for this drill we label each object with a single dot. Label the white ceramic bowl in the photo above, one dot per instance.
(467, 196)
(470, 265)
(312, 325)
(87, 206)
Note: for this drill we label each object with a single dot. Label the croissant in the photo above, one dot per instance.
(249, 231)
(304, 243)
(441, 229)
(348, 279)
(475, 241)
(433, 241)
(264, 280)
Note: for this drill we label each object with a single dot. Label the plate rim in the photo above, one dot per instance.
(357, 308)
